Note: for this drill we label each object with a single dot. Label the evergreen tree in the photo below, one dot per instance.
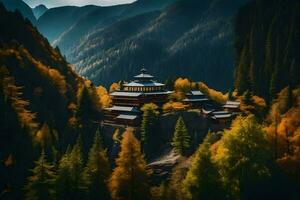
(87, 113)
(130, 178)
(242, 158)
(40, 185)
(71, 182)
(148, 126)
(274, 85)
(97, 170)
(202, 180)
(181, 138)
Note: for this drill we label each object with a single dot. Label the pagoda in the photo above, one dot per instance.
(128, 100)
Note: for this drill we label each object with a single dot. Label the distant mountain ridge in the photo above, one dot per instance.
(190, 38)
(65, 26)
(39, 10)
(22, 7)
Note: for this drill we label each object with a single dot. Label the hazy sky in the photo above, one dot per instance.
(56, 3)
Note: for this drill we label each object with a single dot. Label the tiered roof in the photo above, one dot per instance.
(195, 96)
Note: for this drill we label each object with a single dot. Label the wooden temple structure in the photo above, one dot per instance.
(128, 100)
(195, 99)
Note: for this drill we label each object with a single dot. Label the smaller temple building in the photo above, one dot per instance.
(128, 100)
(195, 98)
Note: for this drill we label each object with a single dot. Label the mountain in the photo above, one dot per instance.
(42, 102)
(189, 38)
(65, 26)
(267, 47)
(39, 10)
(22, 7)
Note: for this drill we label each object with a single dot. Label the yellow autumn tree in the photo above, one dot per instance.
(130, 178)
(104, 97)
(182, 85)
(114, 86)
(212, 94)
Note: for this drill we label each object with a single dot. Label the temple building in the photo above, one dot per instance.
(131, 96)
(195, 98)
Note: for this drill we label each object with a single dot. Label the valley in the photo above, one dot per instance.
(152, 100)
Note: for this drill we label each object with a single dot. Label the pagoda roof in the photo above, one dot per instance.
(230, 106)
(126, 94)
(233, 103)
(147, 76)
(144, 75)
(195, 93)
(123, 109)
(222, 116)
(159, 92)
(195, 100)
(220, 112)
(207, 111)
(127, 117)
(143, 84)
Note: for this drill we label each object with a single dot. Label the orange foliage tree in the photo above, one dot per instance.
(212, 94)
(113, 87)
(104, 97)
(283, 132)
(130, 179)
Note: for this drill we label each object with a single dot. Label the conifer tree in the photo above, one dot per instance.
(273, 86)
(130, 178)
(202, 180)
(148, 126)
(181, 138)
(71, 182)
(97, 170)
(40, 185)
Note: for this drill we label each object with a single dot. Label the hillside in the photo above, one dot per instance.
(189, 38)
(65, 26)
(39, 10)
(267, 47)
(22, 7)
(43, 103)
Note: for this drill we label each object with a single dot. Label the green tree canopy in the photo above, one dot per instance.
(148, 126)
(181, 138)
(70, 181)
(202, 180)
(242, 156)
(40, 185)
(97, 170)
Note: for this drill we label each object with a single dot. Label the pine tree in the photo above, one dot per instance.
(97, 170)
(181, 138)
(148, 126)
(40, 185)
(202, 180)
(273, 86)
(71, 182)
(130, 178)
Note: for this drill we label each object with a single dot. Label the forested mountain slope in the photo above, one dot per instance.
(43, 103)
(267, 47)
(190, 38)
(65, 26)
(22, 7)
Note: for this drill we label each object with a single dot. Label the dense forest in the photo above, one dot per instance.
(267, 47)
(54, 146)
(43, 103)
